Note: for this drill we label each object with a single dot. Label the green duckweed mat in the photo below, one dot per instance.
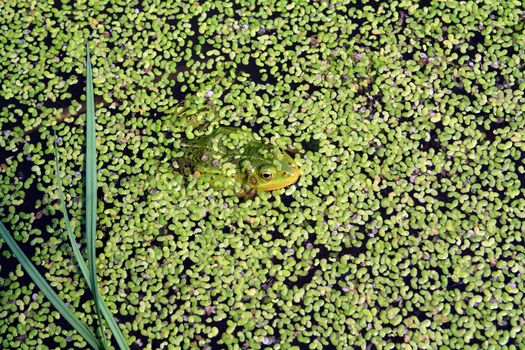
(405, 229)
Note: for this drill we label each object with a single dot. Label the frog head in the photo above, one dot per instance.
(276, 169)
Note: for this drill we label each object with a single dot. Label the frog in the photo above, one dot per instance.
(235, 157)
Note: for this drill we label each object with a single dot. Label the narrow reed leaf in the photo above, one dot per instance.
(71, 236)
(121, 340)
(91, 210)
(91, 192)
(50, 294)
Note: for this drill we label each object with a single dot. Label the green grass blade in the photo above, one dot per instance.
(50, 294)
(91, 207)
(71, 236)
(121, 340)
(91, 193)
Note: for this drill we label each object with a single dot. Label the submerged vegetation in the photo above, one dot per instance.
(403, 230)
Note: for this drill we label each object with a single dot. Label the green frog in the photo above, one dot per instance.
(234, 157)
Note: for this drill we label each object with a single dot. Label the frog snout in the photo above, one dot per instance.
(293, 172)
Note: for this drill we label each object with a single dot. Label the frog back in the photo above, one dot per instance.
(217, 156)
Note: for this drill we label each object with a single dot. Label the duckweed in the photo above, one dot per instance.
(404, 230)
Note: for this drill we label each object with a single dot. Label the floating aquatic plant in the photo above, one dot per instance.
(405, 228)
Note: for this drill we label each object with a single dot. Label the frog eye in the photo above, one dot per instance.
(266, 175)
